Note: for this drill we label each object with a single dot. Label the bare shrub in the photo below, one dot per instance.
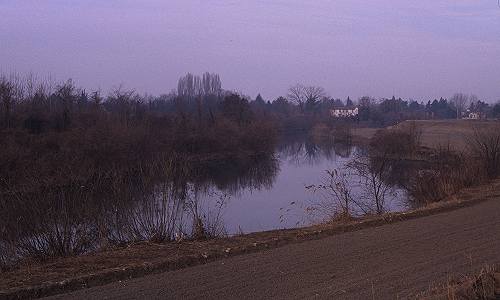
(207, 218)
(337, 198)
(397, 143)
(373, 174)
(6, 102)
(374, 168)
(53, 223)
(448, 173)
(151, 211)
(8, 255)
(484, 145)
(78, 170)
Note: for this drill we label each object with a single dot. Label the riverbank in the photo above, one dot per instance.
(435, 133)
(363, 135)
(56, 276)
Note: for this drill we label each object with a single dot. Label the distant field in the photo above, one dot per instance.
(454, 133)
(440, 133)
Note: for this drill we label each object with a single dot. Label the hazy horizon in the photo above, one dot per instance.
(352, 48)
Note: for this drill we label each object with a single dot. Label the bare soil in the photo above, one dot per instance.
(450, 133)
(436, 133)
(35, 279)
(72, 273)
(483, 285)
(383, 262)
(363, 135)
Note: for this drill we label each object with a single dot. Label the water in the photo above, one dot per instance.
(284, 200)
(216, 197)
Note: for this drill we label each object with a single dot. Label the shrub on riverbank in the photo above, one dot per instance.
(451, 171)
(447, 173)
(78, 169)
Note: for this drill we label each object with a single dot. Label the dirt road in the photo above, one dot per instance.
(384, 262)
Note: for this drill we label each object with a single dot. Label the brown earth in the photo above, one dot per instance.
(383, 262)
(67, 274)
(483, 285)
(450, 133)
(436, 133)
(363, 135)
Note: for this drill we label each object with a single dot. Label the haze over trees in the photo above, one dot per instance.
(460, 101)
(70, 155)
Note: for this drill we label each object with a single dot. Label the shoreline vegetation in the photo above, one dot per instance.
(81, 173)
(484, 284)
(33, 279)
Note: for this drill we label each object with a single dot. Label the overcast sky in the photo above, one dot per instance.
(413, 49)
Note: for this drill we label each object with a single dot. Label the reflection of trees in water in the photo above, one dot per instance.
(401, 174)
(234, 175)
(137, 206)
(157, 215)
(166, 213)
(192, 202)
(362, 186)
(301, 150)
(343, 150)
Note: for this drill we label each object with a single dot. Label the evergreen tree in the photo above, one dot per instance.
(349, 102)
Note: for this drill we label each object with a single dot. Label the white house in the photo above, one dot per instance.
(344, 112)
(473, 115)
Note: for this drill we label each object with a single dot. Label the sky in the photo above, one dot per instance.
(412, 49)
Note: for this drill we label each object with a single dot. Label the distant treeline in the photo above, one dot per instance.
(61, 132)
(200, 101)
(77, 166)
(79, 169)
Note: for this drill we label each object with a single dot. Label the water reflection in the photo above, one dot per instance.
(231, 176)
(206, 199)
(301, 150)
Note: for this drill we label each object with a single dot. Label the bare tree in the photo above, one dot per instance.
(296, 95)
(192, 86)
(473, 99)
(460, 101)
(211, 84)
(314, 93)
(300, 94)
(201, 91)
(122, 101)
(7, 100)
(366, 101)
(189, 86)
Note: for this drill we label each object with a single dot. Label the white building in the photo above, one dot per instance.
(473, 115)
(344, 112)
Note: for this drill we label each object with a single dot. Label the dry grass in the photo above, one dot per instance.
(436, 133)
(479, 286)
(363, 135)
(449, 133)
(135, 260)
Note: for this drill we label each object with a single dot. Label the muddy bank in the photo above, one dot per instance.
(136, 260)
